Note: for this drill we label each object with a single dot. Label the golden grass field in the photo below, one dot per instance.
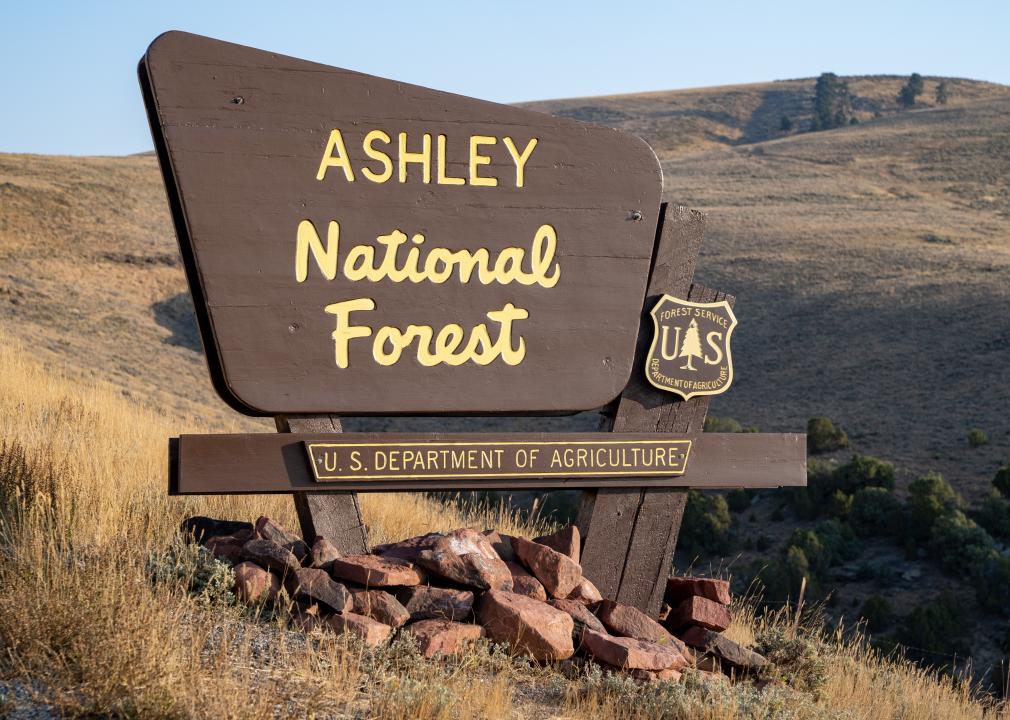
(82, 508)
(847, 309)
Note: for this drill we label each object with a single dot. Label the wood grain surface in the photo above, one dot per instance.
(278, 463)
(241, 135)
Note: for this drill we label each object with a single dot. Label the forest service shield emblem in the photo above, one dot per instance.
(690, 353)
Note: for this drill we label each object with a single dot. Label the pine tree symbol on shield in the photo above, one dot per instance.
(691, 347)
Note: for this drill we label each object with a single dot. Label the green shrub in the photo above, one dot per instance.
(840, 505)
(875, 511)
(823, 436)
(863, 471)
(829, 543)
(726, 425)
(992, 584)
(977, 438)
(739, 499)
(959, 544)
(705, 528)
(929, 498)
(878, 613)
(1001, 481)
(194, 568)
(935, 627)
(994, 515)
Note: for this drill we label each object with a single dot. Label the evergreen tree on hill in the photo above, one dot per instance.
(832, 102)
(910, 90)
(941, 93)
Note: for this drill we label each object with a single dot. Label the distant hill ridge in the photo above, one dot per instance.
(676, 122)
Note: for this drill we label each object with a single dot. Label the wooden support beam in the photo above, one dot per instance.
(335, 516)
(630, 534)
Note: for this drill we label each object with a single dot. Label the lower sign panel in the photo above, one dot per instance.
(336, 462)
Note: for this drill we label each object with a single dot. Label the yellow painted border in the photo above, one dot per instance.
(655, 338)
(672, 473)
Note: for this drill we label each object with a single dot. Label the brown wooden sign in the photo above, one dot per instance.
(356, 245)
(310, 463)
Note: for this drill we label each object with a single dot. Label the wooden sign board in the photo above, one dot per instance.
(356, 245)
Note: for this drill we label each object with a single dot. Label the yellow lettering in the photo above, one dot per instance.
(476, 159)
(336, 142)
(520, 158)
(387, 164)
(326, 258)
(423, 157)
(345, 331)
(442, 177)
(712, 344)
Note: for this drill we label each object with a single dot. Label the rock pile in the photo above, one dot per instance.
(448, 589)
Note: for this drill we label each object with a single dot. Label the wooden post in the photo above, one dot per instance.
(630, 535)
(335, 516)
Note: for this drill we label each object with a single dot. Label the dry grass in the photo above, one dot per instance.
(83, 506)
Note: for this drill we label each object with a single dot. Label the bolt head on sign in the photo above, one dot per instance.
(690, 353)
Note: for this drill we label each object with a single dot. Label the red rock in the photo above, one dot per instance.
(566, 541)
(268, 554)
(728, 652)
(407, 549)
(442, 637)
(585, 592)
(376, 571)
(379, 605)
(679, 589)
(226, 547)
(525, 584)
(269, 530)
(502, 545)
(709, 676)
(426, 602)
(631, 622)
(372, 632)
(323, 554)
(254, 584)
(629, 653)
(466, 557)
(542, 632)
(580, 614)
(559, 573)
(316, 585)
(697, 610)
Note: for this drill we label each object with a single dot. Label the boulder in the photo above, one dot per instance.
(502, 545)
(585, 592)
(379, 605)
(201, 528)
(323, 554)
(631, 622)
(226, 547)
(629, 653)
(679, 589)
(730, 653)
(372, 632)
(529, 626)
(425, 602)
(566, 541)
(376, 571)
(316, 585)
(466, 557)
(268, 554)
(559, 573)
(407, 549)
(525, 584)
(697, 610)
(442, 637)
(270, 530)
(582, 616)
(253, 584)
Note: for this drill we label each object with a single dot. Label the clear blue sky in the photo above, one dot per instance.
(68, 69)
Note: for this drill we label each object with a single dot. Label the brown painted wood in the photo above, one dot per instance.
(630, 535)
(335, 516)
(277, 463)
(240, 135)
